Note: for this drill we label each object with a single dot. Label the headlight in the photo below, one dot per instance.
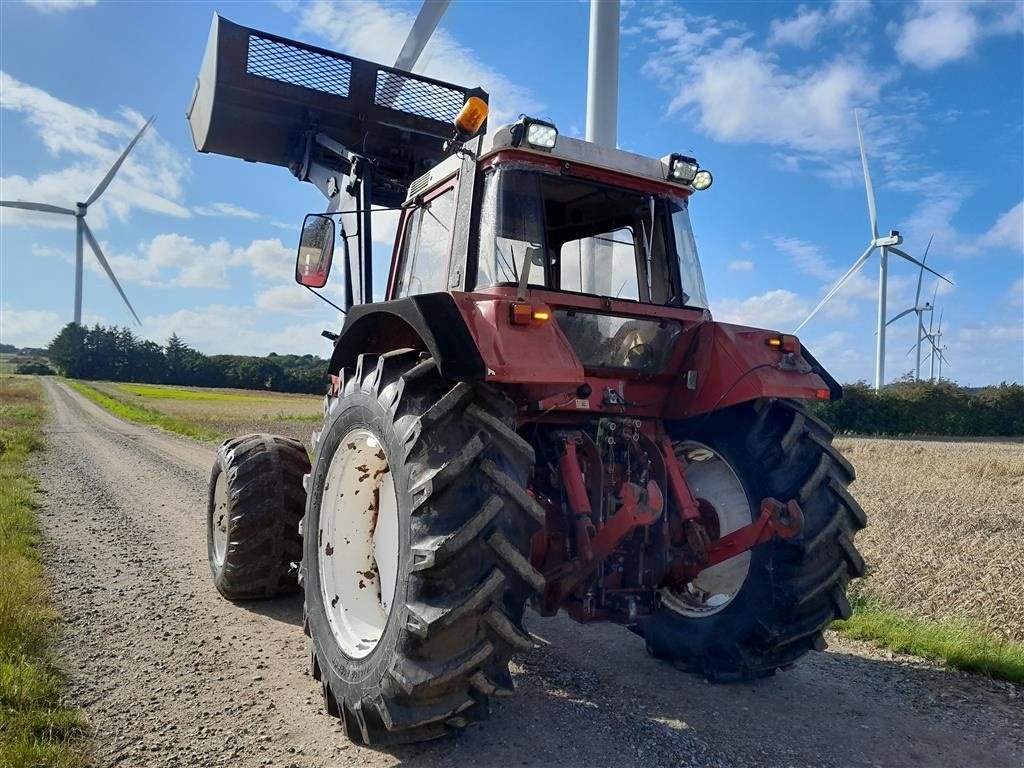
(536, 133)
(702, 180)
(682, 168)
(540, 135)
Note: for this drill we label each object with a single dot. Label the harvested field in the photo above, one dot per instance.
(227, 412)
(945, 531)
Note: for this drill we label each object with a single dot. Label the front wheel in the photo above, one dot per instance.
(763, 609)
(415, 565)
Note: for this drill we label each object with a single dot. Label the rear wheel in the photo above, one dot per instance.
(252, 520)
(415, 563)
(763, 609)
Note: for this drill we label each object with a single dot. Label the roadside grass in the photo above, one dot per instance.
(142, 415)
(957, 643)
(36, 729)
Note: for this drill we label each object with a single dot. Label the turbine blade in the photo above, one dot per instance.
(102, 186)
(921, 264)
(872, 212)
(940, 321)
(422, 28)
(920, 274)
(43, 207)
(110, 273)
(842, 280)
(901, 314)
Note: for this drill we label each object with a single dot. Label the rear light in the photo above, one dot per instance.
(823, 394)
(784, 343)
(529, 314)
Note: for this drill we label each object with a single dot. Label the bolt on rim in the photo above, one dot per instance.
(358, 543)
(720, 493)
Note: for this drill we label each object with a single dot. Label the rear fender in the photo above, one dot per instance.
(430, 322)
(733, 364)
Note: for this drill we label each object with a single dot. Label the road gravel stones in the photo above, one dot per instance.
(170, 674)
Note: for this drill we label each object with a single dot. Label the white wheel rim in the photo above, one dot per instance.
(219, 520)
(713, 481)
(357, 547)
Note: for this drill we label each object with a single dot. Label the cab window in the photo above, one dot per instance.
(426, 242)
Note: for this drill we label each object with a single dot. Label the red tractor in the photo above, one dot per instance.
(541, 410)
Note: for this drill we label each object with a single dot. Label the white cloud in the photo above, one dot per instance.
(938, 33)
(376, 31)
(774, 309)
(173, 260)
(226, 209)
(803, 29)
(35, 327)
(219, 329)
(742, 265)
(59, 6)
(1007, 232)
(742, 94)
(93, 142)
(291, 298)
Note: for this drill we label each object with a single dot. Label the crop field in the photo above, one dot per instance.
(946, 517)
(945, 531)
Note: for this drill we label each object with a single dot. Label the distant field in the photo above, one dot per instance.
(225, 412)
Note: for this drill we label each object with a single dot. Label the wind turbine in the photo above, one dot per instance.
(919, 310)
(886, 244)
(82, 229)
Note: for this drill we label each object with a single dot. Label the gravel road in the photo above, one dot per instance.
(170, 674)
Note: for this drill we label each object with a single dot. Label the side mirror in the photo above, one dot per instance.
(316, 249)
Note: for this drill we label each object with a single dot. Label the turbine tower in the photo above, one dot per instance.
(886, 245)
(82, 229)
(918, 309)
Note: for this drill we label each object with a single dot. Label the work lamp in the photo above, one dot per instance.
(681, 168)
(536, 133)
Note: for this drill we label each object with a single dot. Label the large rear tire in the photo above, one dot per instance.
(252, 520)
(415, 564)
(792, 589)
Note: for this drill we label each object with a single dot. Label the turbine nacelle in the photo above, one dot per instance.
(894, 238)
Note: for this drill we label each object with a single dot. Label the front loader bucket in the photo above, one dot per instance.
(258, 96)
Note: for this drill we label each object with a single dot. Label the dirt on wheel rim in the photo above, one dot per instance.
(171, 674)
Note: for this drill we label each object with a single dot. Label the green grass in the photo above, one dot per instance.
(958, 644)
(171, 393)
(36, 729)
(142, 415)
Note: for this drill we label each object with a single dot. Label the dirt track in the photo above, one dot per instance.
(170, 674)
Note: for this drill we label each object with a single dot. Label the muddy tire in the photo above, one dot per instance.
(450, 604)
(793, 589)
(255, 504)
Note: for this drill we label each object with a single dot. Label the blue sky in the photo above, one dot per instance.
(761, 93)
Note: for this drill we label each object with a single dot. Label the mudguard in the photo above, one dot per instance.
(734, 364)
(429, 321)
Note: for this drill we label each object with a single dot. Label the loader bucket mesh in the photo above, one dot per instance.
(260, 96)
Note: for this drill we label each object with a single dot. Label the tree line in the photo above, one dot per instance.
(905, 407)
(116, 354)
(909, 407)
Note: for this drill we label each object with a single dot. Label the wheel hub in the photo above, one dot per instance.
(357, 547)
(220, 519)
(724, 508)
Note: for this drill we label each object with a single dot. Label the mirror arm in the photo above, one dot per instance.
(324, 298)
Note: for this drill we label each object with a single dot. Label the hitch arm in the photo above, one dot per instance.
(777, 520)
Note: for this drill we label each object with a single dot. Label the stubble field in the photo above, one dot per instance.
(945, 535)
